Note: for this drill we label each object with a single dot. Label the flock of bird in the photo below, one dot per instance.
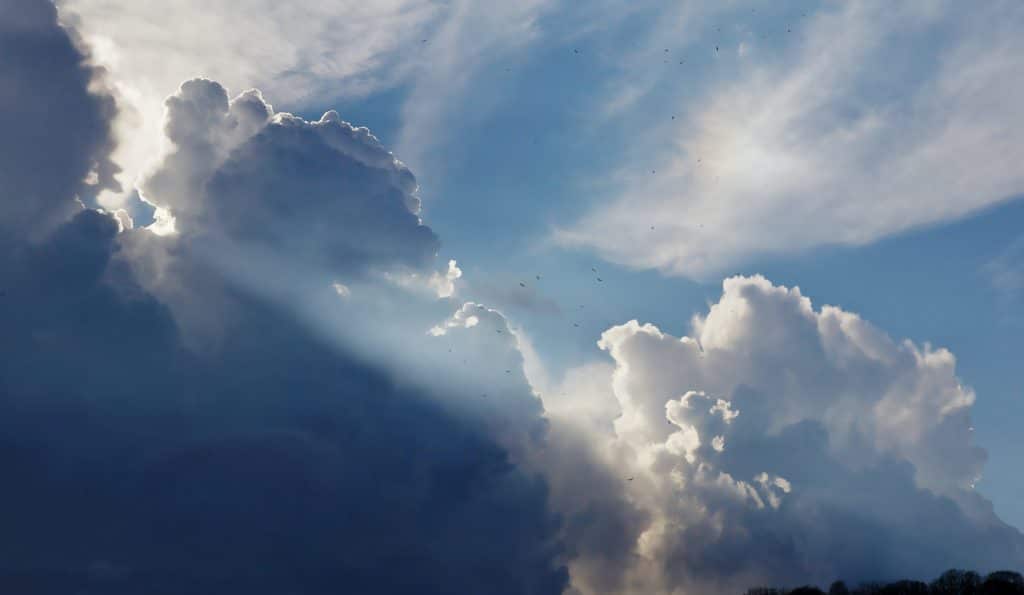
(597, 277)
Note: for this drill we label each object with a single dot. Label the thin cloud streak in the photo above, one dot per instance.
(851, 126)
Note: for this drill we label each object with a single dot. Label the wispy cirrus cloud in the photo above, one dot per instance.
(869, 120)
(1005, 275)
(300, 53)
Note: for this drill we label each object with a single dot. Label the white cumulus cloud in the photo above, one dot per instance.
(778, 442)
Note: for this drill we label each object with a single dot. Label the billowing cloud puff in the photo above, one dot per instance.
(324, 192)
(55, 130)
(483, 354)
(782, 443)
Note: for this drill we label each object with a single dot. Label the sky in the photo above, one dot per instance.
(451, 296)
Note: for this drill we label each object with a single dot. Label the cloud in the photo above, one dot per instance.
(299, 54)
(528, 299)
(292, 210)
(871, 120)
(55, 119)
(471, 36)
(276, 462)
(776, 443)
(273, 460)
(251, 405)
(436, 283)
(325, 191)
(1006, 277)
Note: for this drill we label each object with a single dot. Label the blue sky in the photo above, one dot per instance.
(685, 164)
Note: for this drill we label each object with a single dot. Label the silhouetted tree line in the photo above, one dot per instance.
(952, 582)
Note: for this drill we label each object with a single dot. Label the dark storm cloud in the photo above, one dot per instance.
(54, 131)
(272, 464)
(276, 464)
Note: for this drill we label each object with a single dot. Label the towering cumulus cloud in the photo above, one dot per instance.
(271, 462)
(324, 191)
(779, 443)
